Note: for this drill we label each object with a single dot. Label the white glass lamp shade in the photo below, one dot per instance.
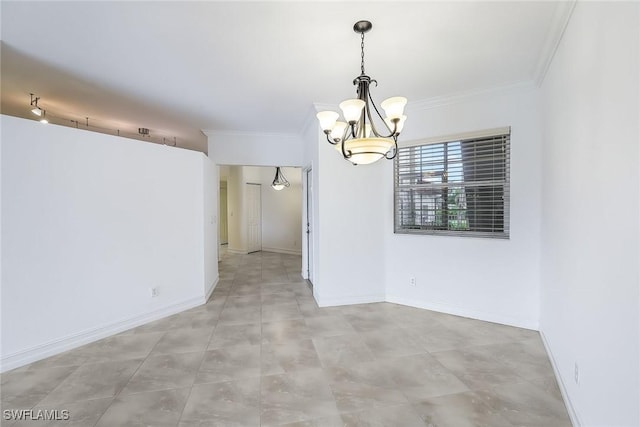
(37, 111)
(327, 119)
(351, 109)
(338, 130)
(365, 151)
(399, 126)
(277, 187)
(394, 107)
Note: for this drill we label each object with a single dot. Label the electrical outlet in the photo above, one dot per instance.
(576, 373)
(412, 281)
(154, 292)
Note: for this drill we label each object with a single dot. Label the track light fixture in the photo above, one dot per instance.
(34, 104)
(358, 138)
(143, 133)
(279, 182)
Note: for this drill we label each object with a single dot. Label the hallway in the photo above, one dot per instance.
(261, 352)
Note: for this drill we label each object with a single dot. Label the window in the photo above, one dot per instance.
(454, 186)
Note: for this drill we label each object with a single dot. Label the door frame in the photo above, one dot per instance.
(307, 224)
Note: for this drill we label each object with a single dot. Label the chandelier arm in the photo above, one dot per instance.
(279, 179)
(362, 92)
(331, 141)
(395, 123)
(374, 130)
(345, 153)
(362, 129)
(353, 128)
(395, 151)
(283, 180)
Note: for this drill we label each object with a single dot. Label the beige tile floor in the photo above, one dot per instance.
(261, 352)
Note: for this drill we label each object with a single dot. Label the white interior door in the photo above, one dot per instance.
(224, 227)
(254, 217)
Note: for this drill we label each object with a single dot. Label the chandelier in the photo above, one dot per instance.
(358, 138)
(279, 182)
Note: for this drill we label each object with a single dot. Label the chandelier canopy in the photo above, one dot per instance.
(358, 138)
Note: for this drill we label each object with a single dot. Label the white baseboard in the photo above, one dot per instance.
(209, 291)
(282, 250)
(266, 249)
(573, 415)
(464, 312)
(72, 341)
(348, 300)
(236, 251)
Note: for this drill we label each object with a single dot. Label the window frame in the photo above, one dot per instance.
(449, 140)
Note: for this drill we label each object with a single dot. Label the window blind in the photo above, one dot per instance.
(456, 187)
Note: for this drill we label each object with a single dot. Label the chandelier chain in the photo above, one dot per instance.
(362, 55)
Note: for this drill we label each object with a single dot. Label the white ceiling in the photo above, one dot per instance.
(180, 67)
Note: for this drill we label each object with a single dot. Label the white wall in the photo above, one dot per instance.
(90, 223)
(489, 279)
(210, 191)
(1, 239)
(311, 240)
(348, 228)
(235, 195)
(359, 259)
(282, 212)
(257, 149)
(590, 274)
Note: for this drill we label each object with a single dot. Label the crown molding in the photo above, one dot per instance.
(564, 10)
(440, 101)
(423, 104)
(437, 101)
(310, 117)
(217, 133)
(321, 106)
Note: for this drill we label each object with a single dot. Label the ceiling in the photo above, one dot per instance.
(178, 68)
